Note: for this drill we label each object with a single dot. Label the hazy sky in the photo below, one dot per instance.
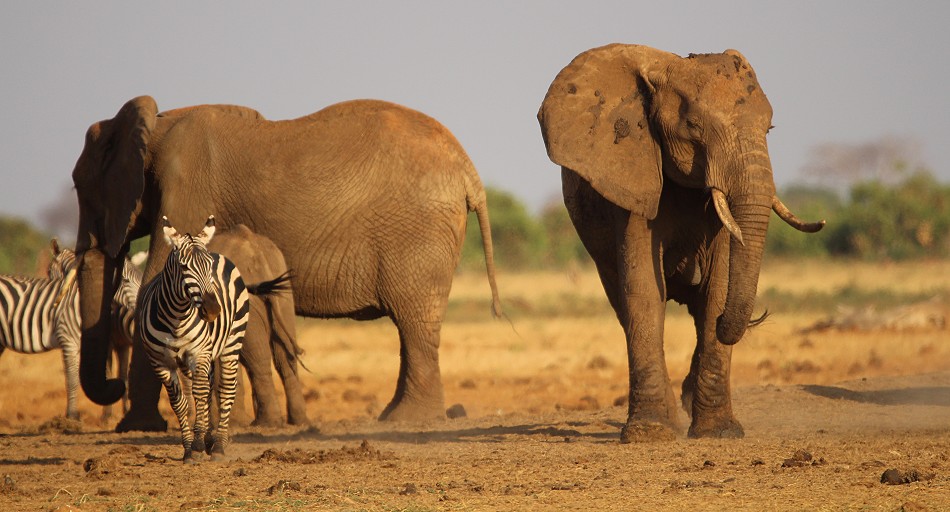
(842, 72)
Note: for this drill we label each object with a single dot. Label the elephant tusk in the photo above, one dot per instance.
(67, 282)
(785, 214)
(722, 209)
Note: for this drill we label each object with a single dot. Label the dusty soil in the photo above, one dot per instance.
(827, 415)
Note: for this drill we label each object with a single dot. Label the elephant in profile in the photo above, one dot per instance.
(668, 182)
(271, 332)
(366, 200)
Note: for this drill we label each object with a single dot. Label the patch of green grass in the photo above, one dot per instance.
(850, 295)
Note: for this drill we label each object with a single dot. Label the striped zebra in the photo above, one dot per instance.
(123, 313)
(193, 316)
(38, 315)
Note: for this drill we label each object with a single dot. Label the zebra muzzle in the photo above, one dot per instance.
(208, 307)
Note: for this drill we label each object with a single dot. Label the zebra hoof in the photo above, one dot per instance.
(198, 447)
(188, 458)
(217, 457)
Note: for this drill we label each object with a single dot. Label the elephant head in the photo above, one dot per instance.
(110, 180)
(629, 118)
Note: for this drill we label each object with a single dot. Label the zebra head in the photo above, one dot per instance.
(61, 268)
(62, 262)
(190, 264)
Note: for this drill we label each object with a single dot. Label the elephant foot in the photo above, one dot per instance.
(241, 419)
(646, 432)
(414, 412)
(268, 421)
(727, 428)
(136, 420)
(297, 417)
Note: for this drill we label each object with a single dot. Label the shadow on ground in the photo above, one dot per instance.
(939, 396)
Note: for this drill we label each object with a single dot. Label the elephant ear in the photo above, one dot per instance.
(110, 174)
(594, 121)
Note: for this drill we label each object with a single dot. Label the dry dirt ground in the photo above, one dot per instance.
(826, 415)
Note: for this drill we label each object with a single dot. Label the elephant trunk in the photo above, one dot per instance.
(97, 284)
(750, 202)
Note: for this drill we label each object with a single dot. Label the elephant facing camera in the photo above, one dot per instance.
(667, 179)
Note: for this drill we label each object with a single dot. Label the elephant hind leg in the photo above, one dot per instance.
(419, 395)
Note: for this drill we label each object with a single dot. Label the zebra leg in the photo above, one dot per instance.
(201, 390)
(176, 397)
(124, 355)
(227, 388)
(71, 367)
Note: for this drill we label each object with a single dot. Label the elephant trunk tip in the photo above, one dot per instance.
(730, 335)
(110, 392)
(727, 333)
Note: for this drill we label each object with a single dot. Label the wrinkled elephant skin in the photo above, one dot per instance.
(667, 180)
(366, 200)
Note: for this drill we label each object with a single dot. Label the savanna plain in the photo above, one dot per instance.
(828, 408)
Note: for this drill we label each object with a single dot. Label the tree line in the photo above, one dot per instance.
(874, 220)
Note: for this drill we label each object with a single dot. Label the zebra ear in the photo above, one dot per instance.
(207, 232)
(171, 234)
(54, 246)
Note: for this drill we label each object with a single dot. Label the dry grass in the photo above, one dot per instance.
(542, 432)
(562, 349)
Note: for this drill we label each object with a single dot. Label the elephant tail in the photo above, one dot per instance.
(288, 344)
(480, 207)
(278, 284)
(288, 341)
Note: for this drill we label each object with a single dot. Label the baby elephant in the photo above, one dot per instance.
(271, 332)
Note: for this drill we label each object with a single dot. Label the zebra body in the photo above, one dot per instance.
(34, 318)
(38, 315)
(191, 316)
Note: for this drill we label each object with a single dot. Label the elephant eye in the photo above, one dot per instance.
(694, 127)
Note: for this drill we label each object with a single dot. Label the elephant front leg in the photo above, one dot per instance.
(419, 394)
(707, 395)
(651, 413)
(143, 392)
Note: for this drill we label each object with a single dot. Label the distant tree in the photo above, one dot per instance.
(563, 246)
(810, 202)
(908, 220)
(517, 237)
(841, 165)
(20, 246)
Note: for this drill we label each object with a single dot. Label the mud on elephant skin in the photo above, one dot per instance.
(667, 180)
(366, 200)
(271, 332)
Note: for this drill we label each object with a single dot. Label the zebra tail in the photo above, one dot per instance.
(278, 284)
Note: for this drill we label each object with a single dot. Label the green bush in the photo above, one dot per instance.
(517, 237)
(563, 246)
(20, 247)
(908, 220)
(809, 203)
